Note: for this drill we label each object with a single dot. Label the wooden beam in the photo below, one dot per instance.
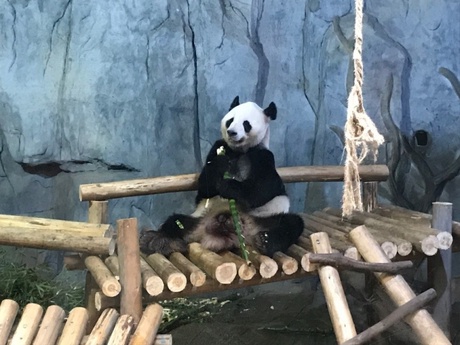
(8, 311)
(176, 183)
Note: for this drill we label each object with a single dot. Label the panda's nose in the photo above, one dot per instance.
(231, 133)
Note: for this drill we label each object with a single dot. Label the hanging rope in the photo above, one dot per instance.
(360, 132)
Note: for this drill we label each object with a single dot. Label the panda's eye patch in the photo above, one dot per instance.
(229, 122)
(247, 126)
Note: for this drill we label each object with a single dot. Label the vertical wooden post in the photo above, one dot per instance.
(344, 327)
(130, 268)
(369, 196)
(98, 212)
(440, 268)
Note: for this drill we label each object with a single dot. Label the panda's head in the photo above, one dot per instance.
(246, 125)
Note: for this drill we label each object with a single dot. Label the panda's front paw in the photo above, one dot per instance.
(157, 242)
(228, 189)
(265, 243)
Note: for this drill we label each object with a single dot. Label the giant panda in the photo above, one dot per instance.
(246, 173)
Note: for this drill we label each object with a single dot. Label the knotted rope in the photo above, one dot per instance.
(360, 132)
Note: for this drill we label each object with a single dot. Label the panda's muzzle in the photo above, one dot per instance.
(231, 133)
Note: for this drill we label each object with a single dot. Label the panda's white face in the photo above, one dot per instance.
(246, 126)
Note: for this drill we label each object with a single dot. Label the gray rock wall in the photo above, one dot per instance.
(109, 90)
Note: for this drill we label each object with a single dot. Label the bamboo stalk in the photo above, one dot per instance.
(122, 330)
(213, 264)
(151, 281)
(103, 328)
(28, 325)
(51, 326)
(8, 311)
(339, 312)
(397, 288)
(245, 271)
(396, 316)
(196, 276)
(288, 264)
(267, 266)
(166, 184)
(130, 268)
(102, 275)
(113, 265)
(147, 329)
(175, 280)
(301, 255)
(56, 239)
(75, 327)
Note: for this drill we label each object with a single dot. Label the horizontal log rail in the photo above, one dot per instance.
(178, 183)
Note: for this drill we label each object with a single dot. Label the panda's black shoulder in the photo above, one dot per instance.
(261, 155)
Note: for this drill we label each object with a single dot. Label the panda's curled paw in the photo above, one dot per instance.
(157, 242)
(264, 243)
(220, 164)
(228, 189)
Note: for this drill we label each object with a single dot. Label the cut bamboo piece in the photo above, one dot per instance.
(147, 328)
(267, 266)
(165, 184)
(288, 264)
(103, 328)
(28, 325)
(194, 274)
(397, 288)
(301, 255)
(427, 244)
(151, 281)
(75, 327)
(245, 271)
(103, 277)
(213, 264)
(130, 268)
(45, 224)
(404, 248)
(175, 280)
(339, 312)
(396, 316)
(113, 265)
(51, 326)
(8, 311)
(56, 239)
(122, 330)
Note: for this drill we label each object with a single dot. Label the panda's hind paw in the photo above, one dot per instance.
(157, 242)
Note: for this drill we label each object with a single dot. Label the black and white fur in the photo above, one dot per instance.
(253, 183)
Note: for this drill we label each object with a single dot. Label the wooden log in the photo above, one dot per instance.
(288, 264)
(196, 276)
(122, 330)
(75, 327)
(342, 322)
(211, 263)
(267, 266)
(98, 212)
(130, 268)
(102, 275)
(113, 265)
(102, 302)
(174, 279)
(245, 271)
(397, 288)
(301, 255)
(147, 329)
(103, 328)
(51, 326)
(8, 311)
(45, 224)
(440, 268)
(339, 261)
(151, 281)
(396, 316)
(56, 239)
(91, 288)
(424, 216)
(28, 325)
(166, 184)
(427, 244)
(404, 248)
(305, 242)
(369, 196)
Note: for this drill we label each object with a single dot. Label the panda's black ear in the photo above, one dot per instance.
(271, 111)
(235, 103)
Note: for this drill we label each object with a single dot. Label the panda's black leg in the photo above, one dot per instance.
(169, 237)
(281, 231)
